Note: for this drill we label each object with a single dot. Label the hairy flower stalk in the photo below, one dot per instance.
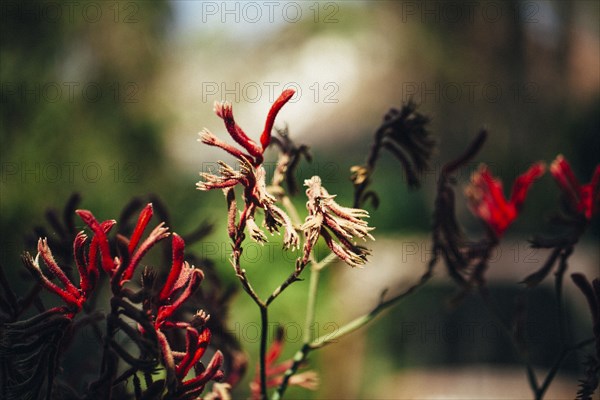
(251, 175)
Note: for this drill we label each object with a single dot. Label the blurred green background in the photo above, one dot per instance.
(106, 99)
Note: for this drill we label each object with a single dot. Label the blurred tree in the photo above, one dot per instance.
(75, 113)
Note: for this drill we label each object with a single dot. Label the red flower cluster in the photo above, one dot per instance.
(585, 199)
(181, 283)
(86, 266)
(487, 201)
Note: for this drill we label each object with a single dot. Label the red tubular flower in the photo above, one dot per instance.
(100, 236)
(178, 246)
(224, 110)
(486, 198)
(136, 251)
(195, 347)
(254, 151)
(72, 297)
(284, 97)
(182, 282)
(157, 234)
(194, 386)
(584, 198)
(93, 253)
(141, 225)
(186, 284)
(82, 264)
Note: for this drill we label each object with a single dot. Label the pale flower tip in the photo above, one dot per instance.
(206, 136)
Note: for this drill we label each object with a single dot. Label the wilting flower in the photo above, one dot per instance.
(326, 217)
(308, 379)
(487, 201)
(251, 174)
(584, 198)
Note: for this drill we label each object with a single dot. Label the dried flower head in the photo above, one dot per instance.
(329, 220)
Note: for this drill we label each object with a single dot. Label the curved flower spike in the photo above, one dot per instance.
(486, 199)
(225, 111)
(195, 346)
(141, 225)
(178, 246)
(70, 294)
(73, 301)
(584, 198)
(188, 281)
(157, 234)
(284, 97)
(194, 386)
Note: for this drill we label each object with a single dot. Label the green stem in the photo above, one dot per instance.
(311, 304)
(363, 320)
(298, 359)
(264, 323)
(325, 262)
